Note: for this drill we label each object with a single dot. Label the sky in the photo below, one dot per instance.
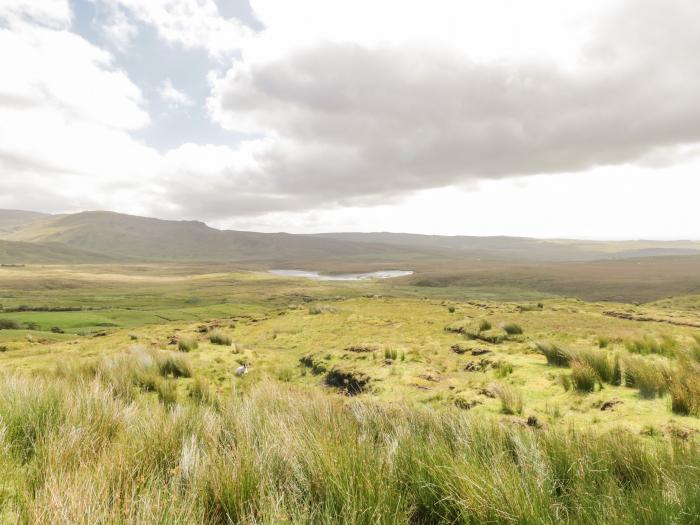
(544, 118)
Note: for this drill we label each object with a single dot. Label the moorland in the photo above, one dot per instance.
(505, 381)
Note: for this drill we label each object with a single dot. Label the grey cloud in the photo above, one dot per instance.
(354, 123)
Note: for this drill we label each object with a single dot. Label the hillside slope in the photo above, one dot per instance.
(14, 252)
(126, 236)
(14, 220)
(523, 248)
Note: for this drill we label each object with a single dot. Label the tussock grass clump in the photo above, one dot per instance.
(555, 355)
(583, 376)
(167, 392)
(9, 324)
(201, 392)
(217, 337)
(503, 369)
(187, 344)
(600, 361)
(280, 454)
(391, 353)
(510, 397)
(317, 309)
(170, 364)
(603, 341)
(650, 377)
(667, 346)
(512, 329)
(685, 390)
(484, 325)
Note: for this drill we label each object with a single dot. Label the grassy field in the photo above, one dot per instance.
(365, 402)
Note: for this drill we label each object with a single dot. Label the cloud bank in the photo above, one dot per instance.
(347, 104)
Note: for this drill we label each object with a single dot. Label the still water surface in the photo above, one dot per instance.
(384, 274)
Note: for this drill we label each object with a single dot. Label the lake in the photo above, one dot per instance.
(383, 274)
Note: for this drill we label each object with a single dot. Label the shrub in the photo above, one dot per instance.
(512, 329)
(187, 344)
(510, 397)
(583, 376)
(3, 348)
(219, 338)
(57, 330)
(451, 309)
(9, 324)
(555, 355)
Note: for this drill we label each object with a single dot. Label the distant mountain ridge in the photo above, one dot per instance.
(100, 235)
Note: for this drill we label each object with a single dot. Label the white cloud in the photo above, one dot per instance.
(66, 114)
(192, 24)
(171, 95)
(365, 103)
(355, 112)
(54, 13)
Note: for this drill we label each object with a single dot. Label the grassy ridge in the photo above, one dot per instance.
(75, 449)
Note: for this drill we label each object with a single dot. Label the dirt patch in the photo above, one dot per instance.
(478, 366)
(645, 318)
(467, 405)
(350, 382)
(361, 349)
(459, 349)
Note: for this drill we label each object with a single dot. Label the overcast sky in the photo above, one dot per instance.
(540, 118)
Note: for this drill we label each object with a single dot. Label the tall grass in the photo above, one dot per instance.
(512, 329)
(685, 390)
(666, 346)
(583, 376)
(510, 397)
(650, 377)
(74, 451)
(218, 337)
(555, 355)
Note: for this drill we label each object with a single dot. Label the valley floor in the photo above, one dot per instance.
(470, 406)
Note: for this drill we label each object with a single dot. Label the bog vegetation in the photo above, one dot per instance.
(364, 402)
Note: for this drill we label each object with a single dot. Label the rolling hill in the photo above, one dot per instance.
(13, 220)
(16, 252)
(129, 238)
(140, 238)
